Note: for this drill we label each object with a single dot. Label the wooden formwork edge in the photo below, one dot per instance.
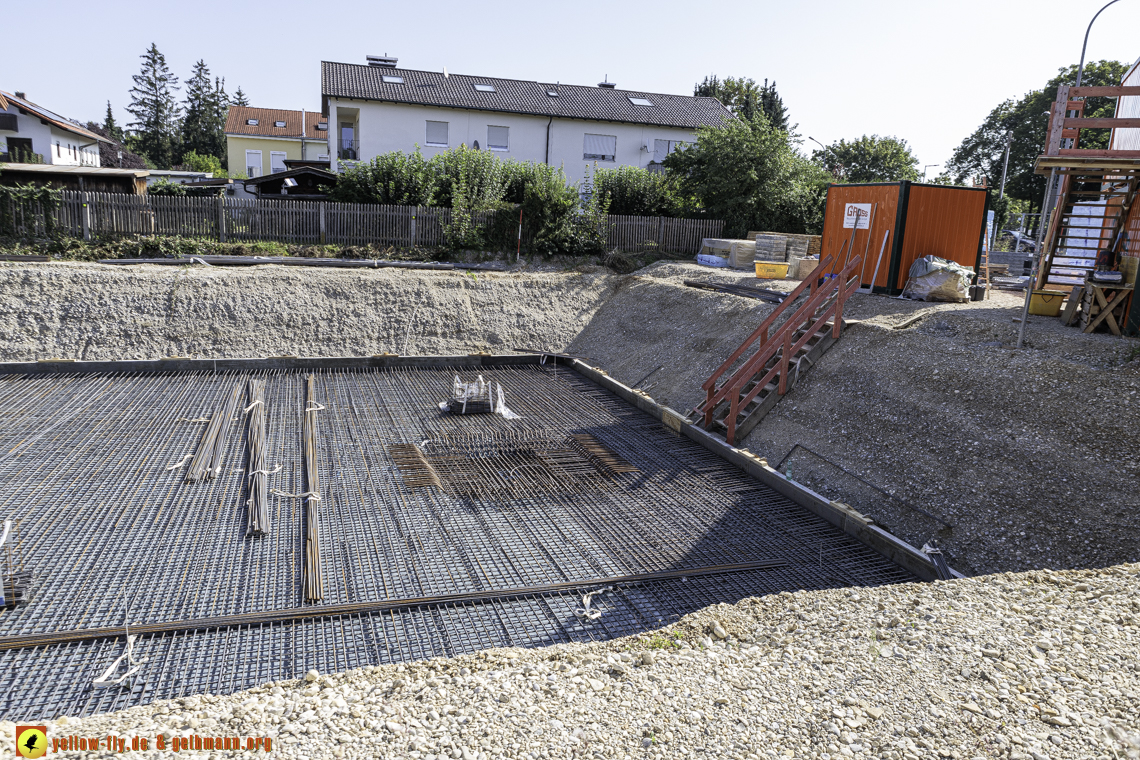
(837, 513)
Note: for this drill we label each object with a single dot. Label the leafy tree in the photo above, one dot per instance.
(155, 109)
(773, 106)
(869, 159)
(983, 152)
(197, 162)
(204, 125)
(745, 98)
(115, 155)
(750, 175)
(111, 130)
(239, 98)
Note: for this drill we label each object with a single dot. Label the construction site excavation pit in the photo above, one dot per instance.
(436, 534)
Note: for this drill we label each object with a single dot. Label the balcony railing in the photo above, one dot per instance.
(346, 151)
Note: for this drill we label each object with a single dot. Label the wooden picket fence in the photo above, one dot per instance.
(92, 215)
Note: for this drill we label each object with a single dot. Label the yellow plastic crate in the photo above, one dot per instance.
(1046, 303)
(770, 270)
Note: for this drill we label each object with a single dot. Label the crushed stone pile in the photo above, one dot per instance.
(1042, 665)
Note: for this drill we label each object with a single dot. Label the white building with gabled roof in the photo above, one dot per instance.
(377, 108)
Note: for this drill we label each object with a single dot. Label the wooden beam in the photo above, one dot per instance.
(1102, 123)
(1091, 153)
(1100, 92)
(1057, 122)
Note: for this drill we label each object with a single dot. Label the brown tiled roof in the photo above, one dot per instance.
(430, 88)
(237, 117)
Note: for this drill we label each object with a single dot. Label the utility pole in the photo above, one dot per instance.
(1005, 164)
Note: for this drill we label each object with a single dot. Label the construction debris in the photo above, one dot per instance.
(745, 291)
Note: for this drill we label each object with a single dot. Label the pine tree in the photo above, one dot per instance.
(155, 109)
(113, 130)
(239, 98)
(203, 127)
(773, 106)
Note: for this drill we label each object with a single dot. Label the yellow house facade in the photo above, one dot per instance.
(260, 140)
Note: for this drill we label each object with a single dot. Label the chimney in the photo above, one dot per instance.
(21, 95)
(382, 61)
(607, 84)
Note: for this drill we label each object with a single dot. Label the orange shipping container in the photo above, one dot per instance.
(912, 220)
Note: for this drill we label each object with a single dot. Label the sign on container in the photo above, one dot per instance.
(857, 214)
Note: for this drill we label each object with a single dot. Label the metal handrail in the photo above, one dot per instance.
(762, 331)
(841, 287)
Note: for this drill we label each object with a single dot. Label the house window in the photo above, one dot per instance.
(253, 163)
(322, 158)
(600, 148)
(277, 161)
(392, 80)
(640, 102)
(484, 88)
(437, 133)
(552, 93)
(498, 138)
(279, 124)
(251, 122)
(662, 148)
(348, 146)
(58, 149)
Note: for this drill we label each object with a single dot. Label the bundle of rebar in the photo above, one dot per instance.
(313, 583)
(207, 461)
(257, 511)
(414, 466)
(600, 455)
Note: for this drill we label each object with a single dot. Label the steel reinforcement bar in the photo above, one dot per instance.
(356, 608)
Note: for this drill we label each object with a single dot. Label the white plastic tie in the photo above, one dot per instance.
(587, 611)
(251, 406)
(266, 472)
(196, 419)
(180, 462)
(105, 680)
(307, 495)
(314, 407)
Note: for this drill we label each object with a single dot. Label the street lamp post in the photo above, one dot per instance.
(1081, 67)
(1039, 253)
(925, 168)
(825, 150)
(1005, 164)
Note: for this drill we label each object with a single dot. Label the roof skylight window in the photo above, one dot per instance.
(278, 123)
(392, 79)
(552, 93)
(484, 87)
(323, 125)
(640, 102)
(251, 122)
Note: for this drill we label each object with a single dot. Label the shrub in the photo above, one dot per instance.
(639, 192)
(403, 179)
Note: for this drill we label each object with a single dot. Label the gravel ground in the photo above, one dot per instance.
(1041, 665)
(96, 311)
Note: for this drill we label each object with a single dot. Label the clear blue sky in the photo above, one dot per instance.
(923, 71)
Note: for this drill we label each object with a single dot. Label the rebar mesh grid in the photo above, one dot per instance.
(112, 535)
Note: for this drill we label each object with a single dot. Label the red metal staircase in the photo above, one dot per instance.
(737, 404)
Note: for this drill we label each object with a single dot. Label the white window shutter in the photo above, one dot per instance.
(437, 133)
(600, 145)
(498, 138)
(660, 150)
